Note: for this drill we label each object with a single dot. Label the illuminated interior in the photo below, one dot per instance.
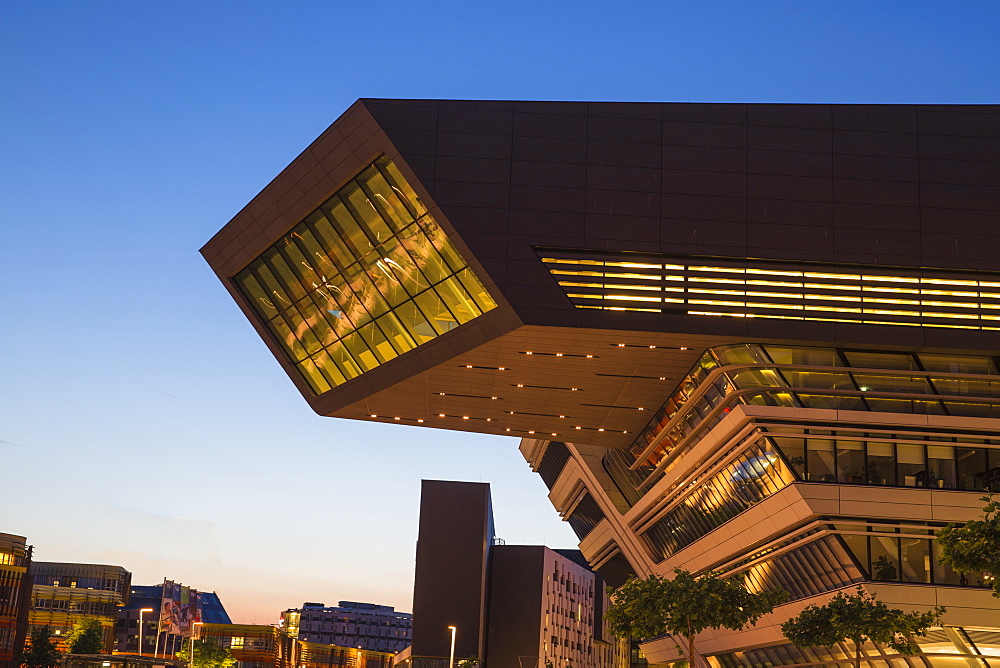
(806, 377)
(366, 277)
(759, 289)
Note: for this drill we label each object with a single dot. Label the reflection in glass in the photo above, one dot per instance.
(366, 277)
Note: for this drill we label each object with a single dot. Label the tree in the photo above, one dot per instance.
(974, 547)
(40, 651)
(686, 605)
(207, 654)
(471, 662)
(87, 637)
(859, 617)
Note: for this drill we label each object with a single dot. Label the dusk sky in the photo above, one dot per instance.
(143, 422)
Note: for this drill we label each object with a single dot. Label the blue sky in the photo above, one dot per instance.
(142, 422)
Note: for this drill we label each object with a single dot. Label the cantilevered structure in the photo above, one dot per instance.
(755, 338)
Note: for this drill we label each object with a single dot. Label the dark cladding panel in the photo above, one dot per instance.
(450, 583)
(515, 603)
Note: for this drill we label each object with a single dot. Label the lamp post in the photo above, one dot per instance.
(191, 646)
(141, 629)
(451, 655)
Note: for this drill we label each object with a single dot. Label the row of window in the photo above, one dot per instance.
(754, 289)
(934, 464)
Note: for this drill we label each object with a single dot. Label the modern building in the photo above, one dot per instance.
(64, 593)
(263, 646)
(15, 596)
(511, 605)
(149, 598)
(755, 338)
(379, 628)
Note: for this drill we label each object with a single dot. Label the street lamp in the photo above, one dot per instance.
(451, 656)
(191, 646)
(142, 610)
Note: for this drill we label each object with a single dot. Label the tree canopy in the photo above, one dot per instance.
(859, 617)
(87, 637)
(40, 651)
(974, 547)
(207, 654)
(686, 605)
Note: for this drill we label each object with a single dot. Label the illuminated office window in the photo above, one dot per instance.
(364, 278)
(750, 288)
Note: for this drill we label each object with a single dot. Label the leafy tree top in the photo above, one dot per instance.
(87, 637)
(686, 605)
(40, 651)
(974, 547)
(207, 654)
(859, 617)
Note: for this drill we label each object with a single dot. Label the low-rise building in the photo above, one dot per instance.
(15, 595)
(263, 646)
(379, 628)
(64, 593)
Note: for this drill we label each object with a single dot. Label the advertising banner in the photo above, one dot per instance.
(179, 609)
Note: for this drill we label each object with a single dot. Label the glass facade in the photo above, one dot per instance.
(830, 378)
(816, 567)
(616, 571)
(891, 458)
(366, 277)
(585, 516)
(553, 461)
(753, 476)
(897, 552)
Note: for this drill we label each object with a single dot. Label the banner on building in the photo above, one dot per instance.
(179, 609)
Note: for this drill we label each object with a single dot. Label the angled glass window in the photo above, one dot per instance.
(364, 278)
